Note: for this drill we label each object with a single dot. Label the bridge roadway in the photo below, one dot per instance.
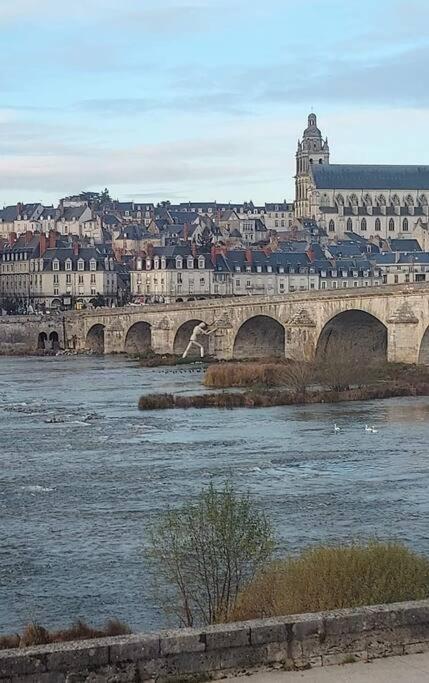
(389, 321)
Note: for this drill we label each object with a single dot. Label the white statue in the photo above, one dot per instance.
(196, 333)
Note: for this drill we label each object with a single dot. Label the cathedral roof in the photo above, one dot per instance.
(370, 177)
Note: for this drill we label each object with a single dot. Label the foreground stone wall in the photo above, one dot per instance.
(320, 639)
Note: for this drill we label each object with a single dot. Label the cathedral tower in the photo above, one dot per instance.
(312, 149)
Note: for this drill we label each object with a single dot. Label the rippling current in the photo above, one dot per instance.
(76, 498)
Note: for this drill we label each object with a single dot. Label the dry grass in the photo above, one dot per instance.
(223, 375)
(35, 634)
(327, 578)
(281, 397)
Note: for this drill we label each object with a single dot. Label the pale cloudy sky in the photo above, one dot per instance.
(204, 99)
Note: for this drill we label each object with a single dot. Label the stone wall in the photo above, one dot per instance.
(289, 642)
(19, 334)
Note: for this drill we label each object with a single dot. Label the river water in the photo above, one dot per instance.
(76, 498)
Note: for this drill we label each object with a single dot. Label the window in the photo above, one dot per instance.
(93, 279)
(396, 279)
(349, 225)
(190, 262)
(405, 225)
(331, 226)
(55, 279)
(377, 225)
(93, 264)
(407, 277)
(93, 291)
(68, 264)
(55, 291)
(80, 264)
(81, 279)
(323, 284)
(363, 225)
(55, 264)
(68, 279)
(201, 262)
(179, 262)
(391, 225)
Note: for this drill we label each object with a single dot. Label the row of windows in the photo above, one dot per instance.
(377, 225)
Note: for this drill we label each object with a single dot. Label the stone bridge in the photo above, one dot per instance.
(391, 322)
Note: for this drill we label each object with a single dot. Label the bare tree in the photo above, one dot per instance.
(300, 376)
(205, 551)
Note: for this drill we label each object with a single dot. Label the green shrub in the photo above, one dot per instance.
(326, 578)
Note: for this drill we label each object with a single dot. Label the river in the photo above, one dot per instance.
(76, 498)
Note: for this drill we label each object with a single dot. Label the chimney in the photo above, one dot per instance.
(150, 250)
(28, 236)
(19, 209)
(213, 254)
(52, 239)
(186, 231)
(194, 249)
(12, 238)
(75, 248)
(249, 256)
(42, 244)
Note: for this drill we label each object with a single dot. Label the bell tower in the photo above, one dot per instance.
(312, 149)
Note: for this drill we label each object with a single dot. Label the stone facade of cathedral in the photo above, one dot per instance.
(370, 200)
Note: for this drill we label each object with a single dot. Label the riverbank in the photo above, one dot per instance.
(270, 399)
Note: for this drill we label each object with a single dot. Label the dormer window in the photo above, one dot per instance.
(163, 262)
(201, 262)
(93, 264)
(179, 262)
(81, 264)
(55, 264)
(281, 269)
(269, 269)
(237, 269)
(156, 263)
(190, 262)
(259, 269)
(148, 264)
(334, 273)
(139, 264)
(68, 264)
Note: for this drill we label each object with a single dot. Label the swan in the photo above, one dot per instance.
(336, 429)
(374, 430)
(368, 429)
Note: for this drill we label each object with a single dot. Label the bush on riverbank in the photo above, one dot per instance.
(35, 634)
(223, 375)
(327, 578)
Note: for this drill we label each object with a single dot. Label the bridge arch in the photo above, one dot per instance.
(355, 334)
(42, 340)
(95, 338)
(183, 334)
(424, 349)
(258, 337)
(54, 341)
(139, 338)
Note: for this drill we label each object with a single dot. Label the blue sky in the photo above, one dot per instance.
(204, 99)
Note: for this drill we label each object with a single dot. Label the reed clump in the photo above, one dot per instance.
(36, 634)
(334, 577)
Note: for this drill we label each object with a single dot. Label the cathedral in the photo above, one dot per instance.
(370, 200)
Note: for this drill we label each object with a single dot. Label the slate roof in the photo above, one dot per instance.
(404, 245)
(371, 177)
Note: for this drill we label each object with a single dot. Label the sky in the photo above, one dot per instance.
(204, 99)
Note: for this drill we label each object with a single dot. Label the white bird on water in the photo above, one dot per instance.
(372, 429)
(336, 429)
